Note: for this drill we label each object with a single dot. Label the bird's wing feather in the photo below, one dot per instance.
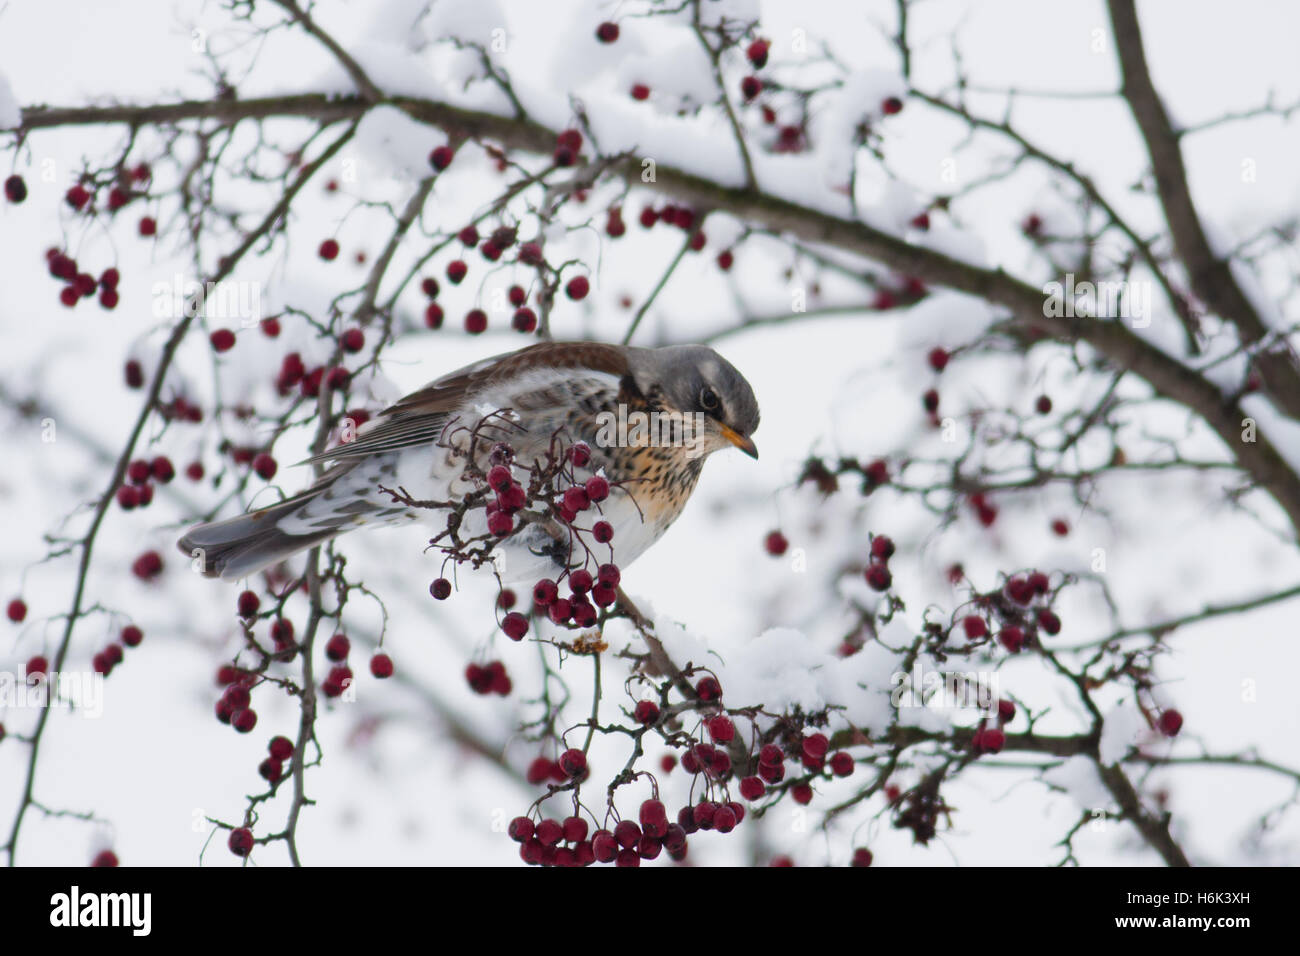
(421, 417)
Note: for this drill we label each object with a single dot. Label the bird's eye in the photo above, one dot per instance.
(708, 399)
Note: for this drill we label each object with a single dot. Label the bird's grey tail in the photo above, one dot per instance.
(237, 547)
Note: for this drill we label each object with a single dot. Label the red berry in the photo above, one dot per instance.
(603, 532)
(456, 270)
(109, 299)
(131, 636)
(647, 712)
(579, 453)
(476, 321)
(750, 87)
(17, 610)
(329, 250)
(722, 729)
(573, 762)
(930, 400)
(939, 358)
(77, 197)
(879, 578)
(974, 626)
(607, 32)
(265, 466)
(104, 858)
(1012, 638)
(640, 91)
(280, 748)
(353, 340)
(441, 157)
(429, 286)
(440, 589)
(524, 320)
(223, 340)
(708, 689)
(147, 566)
(775, 543)
(597, 488)
(1171, 721)
(271, 769)
(515, 626)
(757, 53)
(862, 857)
(381, 666)
(627, 833)
(15, 189)
(577, 288)
(521, 829)
(1060, 528)
(841, 764)
(433, 316)
(580, 581)
(241, 841)
(891, 106)
(37, 665)
(752, 788)
(1049, 622)
(1006, 711)
(1039, 582)
(243, 720)
(1043, 405)
(816, 745)
(148, 226)
(337, 648)
(68, 296)
(604, 846)
(575, 829)
(882, 547)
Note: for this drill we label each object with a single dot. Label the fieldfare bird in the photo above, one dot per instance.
(649, 417)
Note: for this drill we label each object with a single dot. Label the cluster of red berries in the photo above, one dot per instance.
(877, 573)
(991, 739)
(104, 661)
(141, 474)
(489, 678)
(234, 705)
(82, 285)
(279, 750)
(294, 373)
(627, 844)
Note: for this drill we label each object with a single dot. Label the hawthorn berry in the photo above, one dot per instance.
(577, 288)
(240, 841)
(1171, 722)
(244, 720)
(862, 857)
(524, 320)
(1049, 622)
(441, 157)
(271, 769)
(515, 626)
(440, 589)
(329, 250)
(456, 270)
(607, 32)
(131, 636)
(841, 764)
(722, 729)
(757, 53)
(573, 762)
(265, 466)
(708, 689)
(15, 189)
(1012, 638)
(775, 543)
(974, 626)
(16, 611)
(879, 577)
(938, 358)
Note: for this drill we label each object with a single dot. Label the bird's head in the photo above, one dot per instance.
(696, 381)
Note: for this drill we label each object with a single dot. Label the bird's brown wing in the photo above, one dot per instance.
(419, 418)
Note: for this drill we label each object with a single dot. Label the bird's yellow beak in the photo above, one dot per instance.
(740, 441)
